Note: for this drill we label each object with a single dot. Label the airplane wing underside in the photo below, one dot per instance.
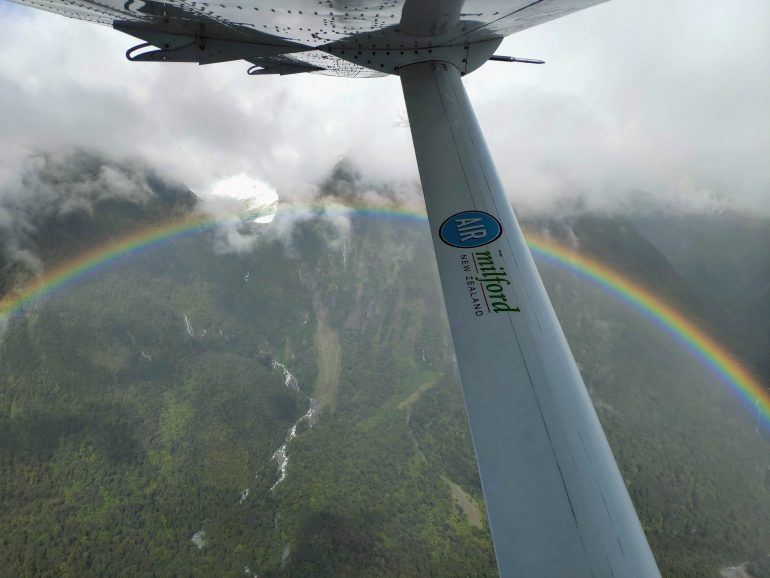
(336, 37)
(556, 502)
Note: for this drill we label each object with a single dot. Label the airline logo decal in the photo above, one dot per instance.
(470, 229)
(485, 277)
(487, 282)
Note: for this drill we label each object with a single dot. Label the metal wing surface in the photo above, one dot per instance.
(556, 502)
(337, 37)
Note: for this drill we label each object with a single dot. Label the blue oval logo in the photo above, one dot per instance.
(470, 229)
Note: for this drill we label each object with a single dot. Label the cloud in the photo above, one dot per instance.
(666, 99)
(55, 184)
(72, 86)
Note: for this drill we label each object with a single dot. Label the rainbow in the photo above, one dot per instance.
(696, 340)
(91, 261)
(71, 271)
(716, 357)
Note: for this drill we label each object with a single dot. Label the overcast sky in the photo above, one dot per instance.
(667, 97)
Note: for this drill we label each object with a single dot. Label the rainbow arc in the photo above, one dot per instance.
(715, 356)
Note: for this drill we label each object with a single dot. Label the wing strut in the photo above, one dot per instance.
(556, 502)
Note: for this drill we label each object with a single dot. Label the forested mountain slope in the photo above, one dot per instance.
(141, 407)
(725, 258)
